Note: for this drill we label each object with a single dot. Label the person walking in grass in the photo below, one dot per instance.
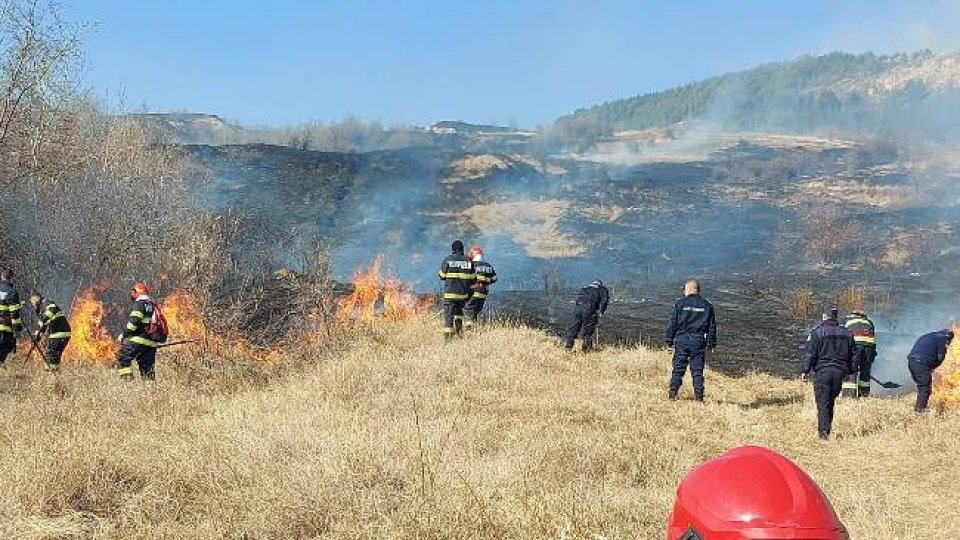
(456, 272)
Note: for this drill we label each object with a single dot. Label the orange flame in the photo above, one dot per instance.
(90, 341)
(946, 379)
(182, 311)
(375, 297)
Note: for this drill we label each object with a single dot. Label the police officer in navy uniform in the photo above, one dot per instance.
(591, 304)
(691, 331)
(830, 353)
(927, 354)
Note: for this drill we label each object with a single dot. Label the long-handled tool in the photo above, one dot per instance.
(175, 343)
(889, 385)
(34, 345)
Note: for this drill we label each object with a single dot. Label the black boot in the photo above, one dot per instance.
(672, 394)
(698, 397)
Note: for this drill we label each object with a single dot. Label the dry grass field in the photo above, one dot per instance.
(395, 435)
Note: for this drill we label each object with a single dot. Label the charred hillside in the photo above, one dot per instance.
(775, 225)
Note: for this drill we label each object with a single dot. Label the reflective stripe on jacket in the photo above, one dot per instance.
(10, 309)
(136, 329)
(53, 320)
(457, 274)
(864, 332)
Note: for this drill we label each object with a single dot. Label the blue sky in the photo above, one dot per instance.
(284, 62)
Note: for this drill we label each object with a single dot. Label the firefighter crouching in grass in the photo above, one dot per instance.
(456, 272)
(54, 325)
(145, 329)
(485, 277)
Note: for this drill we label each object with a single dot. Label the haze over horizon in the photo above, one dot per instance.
(527, 62)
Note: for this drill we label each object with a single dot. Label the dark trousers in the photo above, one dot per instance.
(867, 355)
(692, 351)
(826, 387)
(143, 355)
(453, 317)
(54, 352)
(473, 307)
(6, 347)
(922, 375)
(584, 324)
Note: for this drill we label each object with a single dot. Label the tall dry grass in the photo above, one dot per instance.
(501, 435)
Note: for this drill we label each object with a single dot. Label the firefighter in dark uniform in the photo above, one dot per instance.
(10, 323)
(691, 331)
(137, 344)
(485, 277)
(54, 324)
(591, 304)
(864, 334)
(829, 353)
(456, 272)
(927, 354)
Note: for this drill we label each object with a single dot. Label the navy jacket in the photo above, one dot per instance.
(931, 348)
(595, 298)
(693, 316)
(830, 345)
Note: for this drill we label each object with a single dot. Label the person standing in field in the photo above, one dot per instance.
(54, 325)
(865, 336)
(145, 330)
(456, 272)
(10, 323)
(829, 354)
(485, 277)
(692, 330)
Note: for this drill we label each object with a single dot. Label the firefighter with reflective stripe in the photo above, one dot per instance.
(10, 323)
(829, 353)
(485, 276)
(691, 331)
(456, 272)
(864, 335)
(591, 304)
(54, 324)
(136, 342)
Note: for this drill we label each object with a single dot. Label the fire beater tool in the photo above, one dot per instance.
(34, 345)
(175, 343)
(889, 385)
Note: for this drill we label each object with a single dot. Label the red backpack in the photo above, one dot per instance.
(157, 329)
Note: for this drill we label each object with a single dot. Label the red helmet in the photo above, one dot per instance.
(750, 493)
(139, 289)
(474, 251)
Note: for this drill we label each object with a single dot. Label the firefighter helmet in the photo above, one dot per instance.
(139, 289)
(752, 492)
(474, 251)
